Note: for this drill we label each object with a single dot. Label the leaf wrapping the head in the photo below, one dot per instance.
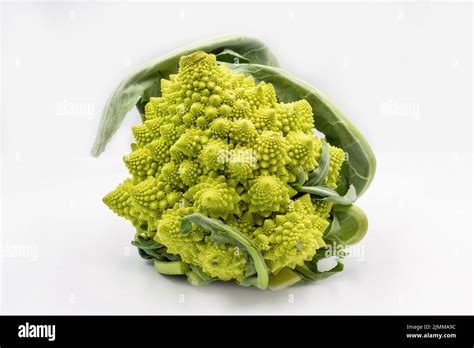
(349, 225)
(140, 85)
(327, 194)
(318, 175)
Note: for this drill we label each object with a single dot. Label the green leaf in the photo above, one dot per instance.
(309, 271)
(219, 237)
(349, 225)
(217, 228)
(224, 233)
(359, 169)
(198, 277)
(147, 256)
(250, 271)
(313, 274)
(327, 194)
(320, 173)
(140, 85)
(149, 249)
(230, 56)
(301, 177)
(333, 229)
(251, 276)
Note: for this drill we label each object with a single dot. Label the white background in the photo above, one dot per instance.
(401, 72)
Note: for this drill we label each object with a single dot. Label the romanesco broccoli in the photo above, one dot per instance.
(218, 144)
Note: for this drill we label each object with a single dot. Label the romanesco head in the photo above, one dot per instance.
(290, 239)
(215, 198)
(267, 194)
(222, 261)
(169, 234)
(218, 143)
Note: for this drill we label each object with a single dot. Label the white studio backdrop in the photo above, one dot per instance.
(401, 71)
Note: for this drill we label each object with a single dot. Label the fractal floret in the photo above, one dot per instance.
(226, 182)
